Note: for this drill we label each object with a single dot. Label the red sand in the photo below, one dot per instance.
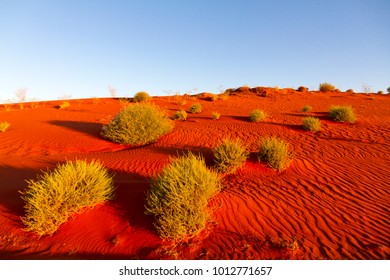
(333, 202)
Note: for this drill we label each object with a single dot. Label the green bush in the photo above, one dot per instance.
(54, 197)
(138, 124)
(327, 87)
(180, 115)
(257, 116)
(141, 96)
(306, 108)
(311, 124)
(180, 195)
(4, 126)
(215, 115)
(342, 114)
(275, 152)
(195, 108)
(229, 156)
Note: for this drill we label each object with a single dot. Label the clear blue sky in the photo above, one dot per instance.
(78, 48)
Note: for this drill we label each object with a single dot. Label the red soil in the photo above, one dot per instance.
(333, 202)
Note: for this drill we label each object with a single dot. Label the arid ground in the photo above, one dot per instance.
(332, 202)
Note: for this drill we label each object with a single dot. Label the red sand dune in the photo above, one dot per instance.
(333, 202)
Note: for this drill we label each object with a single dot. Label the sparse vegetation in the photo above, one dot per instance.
(257, 116)
(303, 89)
(388, 90)
(138, 124)
(195, 108)
(306, 108)
(215, 115)
(342, 114)
(180, 115)
(55, 196)
(311, 124)
(229, 156)
(380, 92)
(179, 197)
(327, 87)
(349, 90)
(4, 126)
(275, 152)
(64, 105)
(141, 96)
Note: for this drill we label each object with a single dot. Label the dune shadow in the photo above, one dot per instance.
(240, 118)
(89, 128)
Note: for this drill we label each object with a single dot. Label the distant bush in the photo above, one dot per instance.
(214, 97)
(303, 89)
(349, 90)
(388, 90)
(64, 105)
(342, 114)
(311, 124)
(215, 115)
(327, 87)
(4, 126)
(380, 92)
(138, 124)
(141, 96)
(180, 115)
(275, 152)
(257, 116)
(179, 197)
(195, 108)
(54, 197)
(306, 108)
(229, 156)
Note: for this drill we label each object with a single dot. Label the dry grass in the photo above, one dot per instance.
(215, 115)
(311, 124)
(4, 126)
(257, 116)
(229, 156)
(195, 108)
(180, 115)
(141, 96)
(342, 114)
(275, 152)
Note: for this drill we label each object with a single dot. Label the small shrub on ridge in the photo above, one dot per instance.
(306, 108)
(229, 156)
(141, 96)
(327, 87)
(180, 195)
(342, 114)
(54, 197)
(195, 108)
(311, 124)
(275, 152)
(303, 89)
(180, 115)
(257, 116)
(4, 126)
(138, 124)
(215, 115)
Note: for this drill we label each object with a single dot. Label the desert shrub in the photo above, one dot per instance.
(327, 87)
(229, 156)
(138, 124)
(180, 115)
(180, 195)
(4, 126)
(215, 115)
(342, 114)
(349, 90)
(214, 97)
(195, 108)
(64, 105)
(311, 124)
(275, 152)
(257, 116)
(303, 89)
(306, 108)
(380, 92)
(141, 96)
(55, 196)
(388, 90)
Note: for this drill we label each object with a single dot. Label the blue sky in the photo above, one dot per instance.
(79, 48)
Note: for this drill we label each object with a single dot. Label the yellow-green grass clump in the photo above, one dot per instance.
(327, 87)
(138, 124)
(64, 105)
(275, 152)
(229, 156)
(257, 115)
(180, 195)
(55, 196)
(180, 115)
(306, 108)
(195, 108)
(311, 124)
(141, 96)
(4, 126)
(215, 115)
(342, 114)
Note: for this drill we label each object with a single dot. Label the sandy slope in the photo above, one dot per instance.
(333, 202)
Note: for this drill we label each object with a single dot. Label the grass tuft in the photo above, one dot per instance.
(195, 108)
(138, 124)
(342, 114)
(180, 115)
(257, 116)
(54, 197)
(64, 105)
(4, 126)
(215, 115)
(229, 156)
(275, 152)
(327, 87)
(141, 96)
(306, 108)
(180, 195)
(311, 124)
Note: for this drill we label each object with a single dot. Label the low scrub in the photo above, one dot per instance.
(55, 196)
(257, 115)
(275, 152)
(4, 126)
(64, 105)
(229, 156)
(342, 114)
(180, 115)
(180, 195)
(195, 108)
(141, 96)
(215, 115)
(327, 87)
(138, 124)
(306, 108)
(311, 124)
